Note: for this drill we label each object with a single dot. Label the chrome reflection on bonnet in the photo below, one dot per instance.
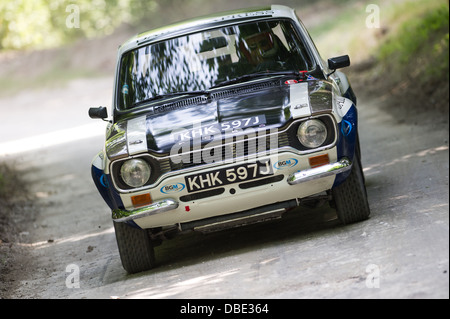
(116, 143)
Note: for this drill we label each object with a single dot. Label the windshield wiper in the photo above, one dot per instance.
(198, 92)
(170, 94)
(251, 76)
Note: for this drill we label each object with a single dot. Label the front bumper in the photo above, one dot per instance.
(165, 205)
(169, 204)
(319, 172)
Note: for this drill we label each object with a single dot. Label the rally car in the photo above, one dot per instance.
(224, 121)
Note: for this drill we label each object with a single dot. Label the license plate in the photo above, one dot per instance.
(235, 174)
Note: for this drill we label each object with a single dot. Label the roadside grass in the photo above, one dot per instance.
(4, 181)
(342, 30)
(406, 56)
(16, 214)
(413, 58)
(420, 46)
(10, 184)
(405, 30)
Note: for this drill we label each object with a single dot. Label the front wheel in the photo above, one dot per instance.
(135, 248)
(350, 197)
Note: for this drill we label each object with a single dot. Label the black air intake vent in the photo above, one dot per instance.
(244, 90)
(181, 104)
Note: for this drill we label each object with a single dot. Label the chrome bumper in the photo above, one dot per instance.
(119, 215)
(319, 172)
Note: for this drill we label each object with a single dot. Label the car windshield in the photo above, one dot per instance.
(199, 61)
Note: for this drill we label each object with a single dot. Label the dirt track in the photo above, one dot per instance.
(305, 255)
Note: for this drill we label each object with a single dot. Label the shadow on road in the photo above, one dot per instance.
(300, 224)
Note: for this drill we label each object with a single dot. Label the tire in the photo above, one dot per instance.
(350, 197)
(135, 248)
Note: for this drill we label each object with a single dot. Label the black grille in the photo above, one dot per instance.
(180, 104)
(244, 90)
(240, 148)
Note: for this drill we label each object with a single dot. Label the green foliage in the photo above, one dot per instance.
(40, 24)
(421, 42)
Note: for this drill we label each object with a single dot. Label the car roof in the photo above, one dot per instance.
(206, 22)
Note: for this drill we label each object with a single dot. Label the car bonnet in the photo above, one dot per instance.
(240, 111)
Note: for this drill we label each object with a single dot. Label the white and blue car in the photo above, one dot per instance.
(224, 121)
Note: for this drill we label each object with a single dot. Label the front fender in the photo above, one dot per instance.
(347, 139)
(102, 181)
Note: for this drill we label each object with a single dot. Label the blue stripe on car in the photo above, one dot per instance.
(347, 140)
(109, 195)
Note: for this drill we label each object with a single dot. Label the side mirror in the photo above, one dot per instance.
(98, 112)
(338, 62)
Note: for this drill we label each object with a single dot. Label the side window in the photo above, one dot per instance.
(125, 86)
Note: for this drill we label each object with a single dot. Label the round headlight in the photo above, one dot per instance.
(135, 172)
(312, 133)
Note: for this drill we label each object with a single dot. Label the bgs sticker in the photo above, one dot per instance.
(288, 163)
(173, 188)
